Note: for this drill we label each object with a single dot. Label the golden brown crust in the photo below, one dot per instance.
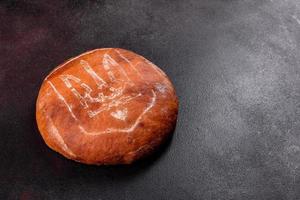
(106, 106)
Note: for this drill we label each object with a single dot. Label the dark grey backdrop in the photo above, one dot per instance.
(236, 68)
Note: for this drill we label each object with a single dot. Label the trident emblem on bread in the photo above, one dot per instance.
(113, 96)
(106, 106)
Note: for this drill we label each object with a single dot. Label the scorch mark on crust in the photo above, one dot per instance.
(55, 134)
(63, 99)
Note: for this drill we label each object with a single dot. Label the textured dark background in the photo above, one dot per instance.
(236, 68)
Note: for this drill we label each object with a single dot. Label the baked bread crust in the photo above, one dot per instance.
(106, 106)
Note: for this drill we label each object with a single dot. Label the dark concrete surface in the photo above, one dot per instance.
(236, 68)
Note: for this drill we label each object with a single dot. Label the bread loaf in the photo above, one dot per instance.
(106, 106)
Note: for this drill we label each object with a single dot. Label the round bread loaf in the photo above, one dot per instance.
(106, 106)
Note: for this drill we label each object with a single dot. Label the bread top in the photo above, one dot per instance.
(105, 104)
